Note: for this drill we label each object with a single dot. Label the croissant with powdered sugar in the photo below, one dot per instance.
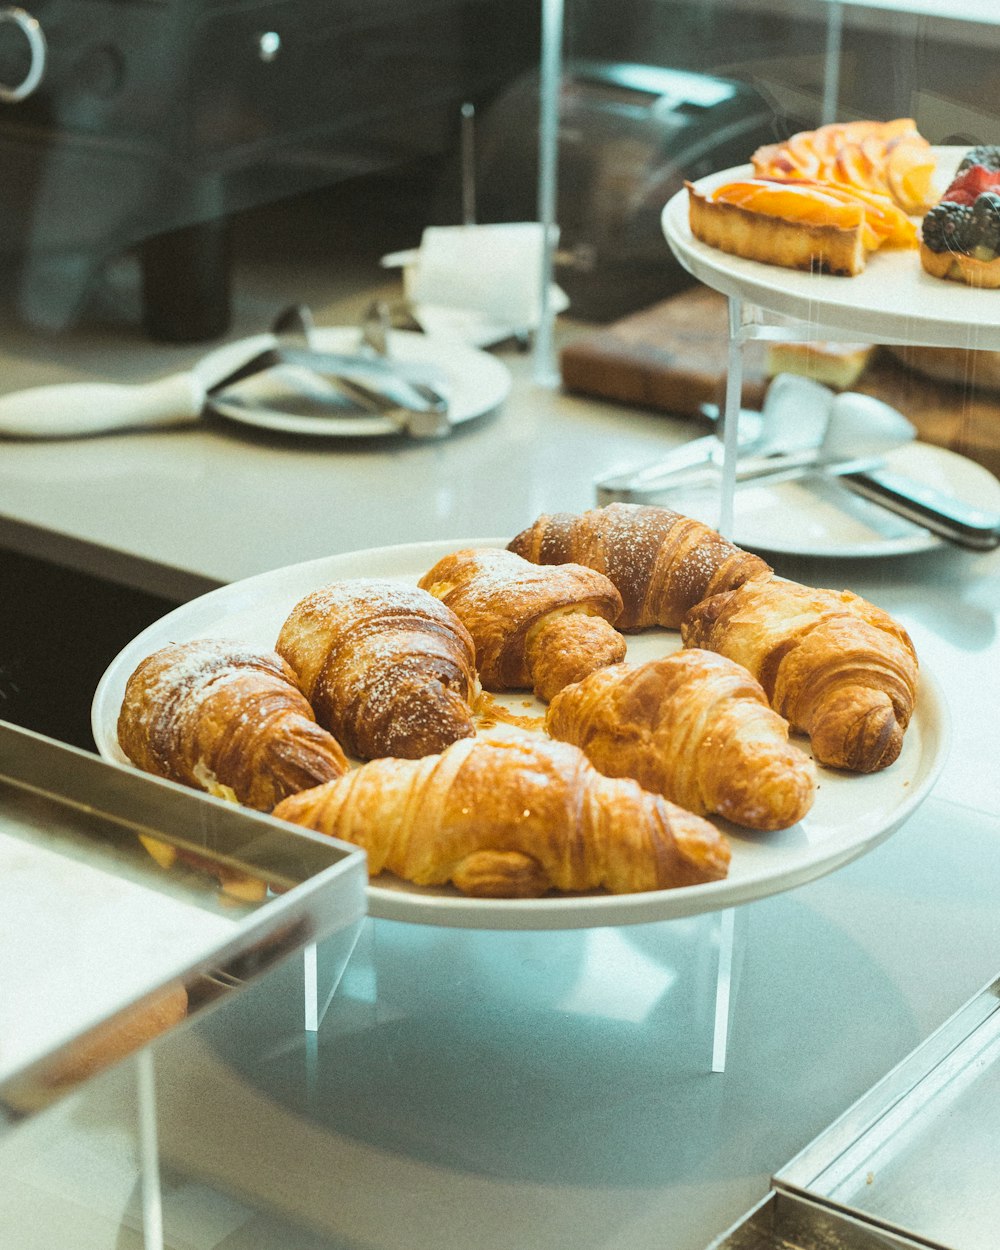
(387, 668)
(534, 628)
(227, 718)
(661, 562)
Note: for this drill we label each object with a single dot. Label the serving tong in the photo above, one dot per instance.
(806, 429)
(411, 394)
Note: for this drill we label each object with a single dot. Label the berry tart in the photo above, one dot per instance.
(960, 235)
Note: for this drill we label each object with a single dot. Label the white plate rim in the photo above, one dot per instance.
(891, 301)
(205, 616)
(479, 382)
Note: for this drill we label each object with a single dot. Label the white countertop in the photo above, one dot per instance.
(520, 1091)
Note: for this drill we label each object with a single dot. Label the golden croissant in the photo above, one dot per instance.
(512, 818)
(696, 728)
(534, 628)
(220, 716)
(835, 666)
(661, 562)
(387, 668)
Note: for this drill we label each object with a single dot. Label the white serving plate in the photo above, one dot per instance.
(892, 301)
(478, 382)
(851, 815)
(818, 516)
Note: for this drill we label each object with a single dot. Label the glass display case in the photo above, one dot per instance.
(417, 1067)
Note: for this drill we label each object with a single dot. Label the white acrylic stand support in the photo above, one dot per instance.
(546, 373)
(727, 920)
(149, 1154)
(723, 988)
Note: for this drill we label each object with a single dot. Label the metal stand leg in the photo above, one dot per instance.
(149, 1153)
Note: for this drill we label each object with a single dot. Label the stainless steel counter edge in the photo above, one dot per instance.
(800, 1209)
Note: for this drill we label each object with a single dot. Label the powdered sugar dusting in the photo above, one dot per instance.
(165, 681)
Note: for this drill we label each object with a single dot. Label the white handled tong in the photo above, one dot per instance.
(366, 383)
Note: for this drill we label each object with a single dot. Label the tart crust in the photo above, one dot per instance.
(958, 267)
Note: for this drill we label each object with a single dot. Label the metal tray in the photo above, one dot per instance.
(912, 1164)
(117, 887)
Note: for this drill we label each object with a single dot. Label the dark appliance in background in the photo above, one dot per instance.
(629, 135)
(145, 124)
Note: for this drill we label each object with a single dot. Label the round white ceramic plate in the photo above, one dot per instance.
(850, 816)
(821, 517)
(891, 301)
(478, 383)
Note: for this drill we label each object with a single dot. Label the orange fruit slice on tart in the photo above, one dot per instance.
(910, 167)
(890, 158)
(889, 224)
(854, 166)
(802, 156)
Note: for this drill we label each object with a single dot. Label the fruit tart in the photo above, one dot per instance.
(798, 223)
(960, 235)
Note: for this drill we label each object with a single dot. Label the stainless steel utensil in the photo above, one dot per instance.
(412, 395)
(794, 419)
(860, 431)
(857, 432)
(72, 409)
(375, 329)
(950, 518)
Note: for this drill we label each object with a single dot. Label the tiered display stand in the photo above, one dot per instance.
(892, 301)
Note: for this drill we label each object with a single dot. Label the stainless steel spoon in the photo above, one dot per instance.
(794, 418)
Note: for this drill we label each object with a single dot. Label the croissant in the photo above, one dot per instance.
(220, 716)
(661, 562)
(694, 727)
(533, 628)
(835, 666)
(387, 668)
(512, 818)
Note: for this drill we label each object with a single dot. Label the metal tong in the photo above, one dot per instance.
(413, 395)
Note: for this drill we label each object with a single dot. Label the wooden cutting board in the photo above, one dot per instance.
(673, 357)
